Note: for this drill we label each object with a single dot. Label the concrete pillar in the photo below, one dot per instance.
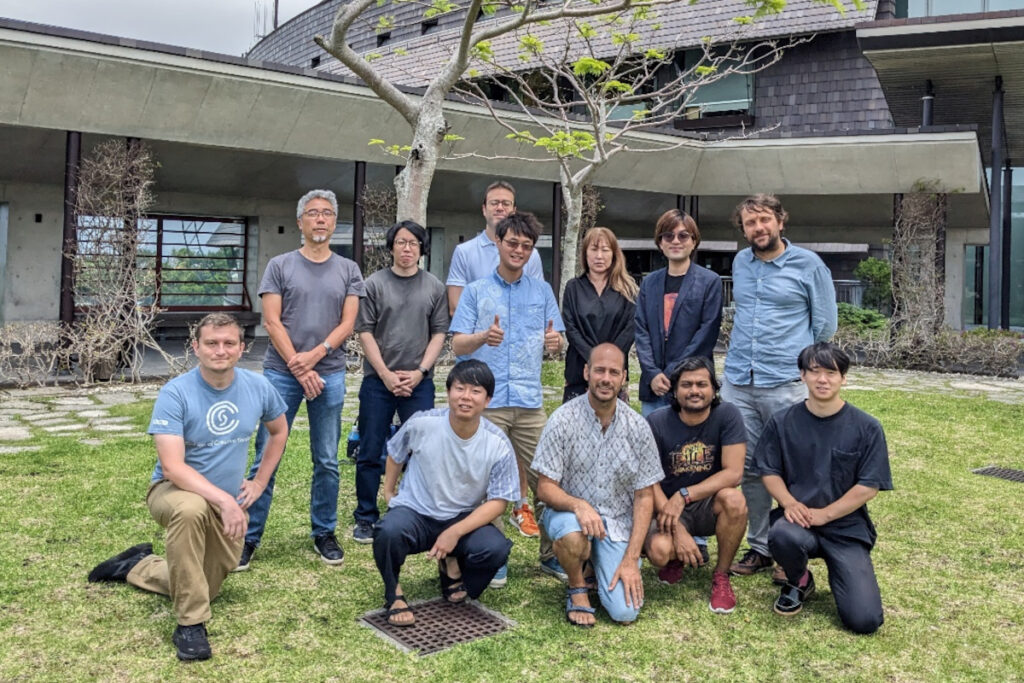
(69, 237)
(358, 217)
(556, 237)
(996, 209)
(1004, 293)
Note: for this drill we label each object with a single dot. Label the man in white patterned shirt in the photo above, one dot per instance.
(597, 463)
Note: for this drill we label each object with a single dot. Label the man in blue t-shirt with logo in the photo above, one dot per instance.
(202, 423)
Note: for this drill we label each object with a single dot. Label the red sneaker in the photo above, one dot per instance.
(671, 573)
(723, 600)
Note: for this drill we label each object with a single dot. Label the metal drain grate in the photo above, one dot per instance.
(1002, 473)
(439, 625)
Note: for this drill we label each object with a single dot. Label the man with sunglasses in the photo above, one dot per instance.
(507, 320)
(310, 301)
(477, 258)
(678, 310)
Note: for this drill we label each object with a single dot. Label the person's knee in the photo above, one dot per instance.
(784, 535)
(733, 504)
(659, 549)
(190, 511)
(573, 544)
(620, 612)
(862, 623)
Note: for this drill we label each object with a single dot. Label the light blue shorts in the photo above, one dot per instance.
(606, 556)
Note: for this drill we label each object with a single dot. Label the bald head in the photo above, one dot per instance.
(607, 354)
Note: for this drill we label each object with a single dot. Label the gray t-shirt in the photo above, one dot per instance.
(312, 298)
(402, 313)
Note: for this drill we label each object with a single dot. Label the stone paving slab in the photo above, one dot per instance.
(54, 420)
(42, 417)
(116, 398)
(8, 450)
(91, 442)
(98, 412)
(73, 401)
(15, 433)
(109, 420)
(69, 427)
(15, 404)
(113, 428)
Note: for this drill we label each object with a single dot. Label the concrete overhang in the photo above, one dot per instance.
(60, 83)
(961, 55)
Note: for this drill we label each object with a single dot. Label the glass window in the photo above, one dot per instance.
(731, 94)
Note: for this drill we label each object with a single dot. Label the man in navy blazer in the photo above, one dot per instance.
(678, 312)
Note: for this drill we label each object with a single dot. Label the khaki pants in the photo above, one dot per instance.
(199, 555)
(523, 427)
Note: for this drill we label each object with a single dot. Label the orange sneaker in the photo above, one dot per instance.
(522, 518)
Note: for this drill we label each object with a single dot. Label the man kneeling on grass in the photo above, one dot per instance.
(702, 444)
(202, 423)
(823, 460)
(460, 475)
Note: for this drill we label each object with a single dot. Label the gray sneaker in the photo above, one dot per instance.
(362, 532)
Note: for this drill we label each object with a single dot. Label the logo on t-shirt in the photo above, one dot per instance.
(692, 458)
(220, 418)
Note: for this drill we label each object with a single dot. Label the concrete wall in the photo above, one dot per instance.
(32, 282)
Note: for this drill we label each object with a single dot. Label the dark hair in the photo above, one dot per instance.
(217, 320)
(672, 219)
(473, 372)
(500, 185)
(524, 224)
(415, 228)
(759, 203)
(690, 364)
(824, 355)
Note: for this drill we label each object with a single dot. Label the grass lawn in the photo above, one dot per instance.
(948, 560)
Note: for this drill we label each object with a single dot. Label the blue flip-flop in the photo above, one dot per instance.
(569, 607)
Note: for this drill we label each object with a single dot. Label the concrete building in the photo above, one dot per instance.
(239, 139)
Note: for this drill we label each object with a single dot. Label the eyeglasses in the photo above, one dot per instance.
(316, 213)
(402, 244)
(682, 237)
(515, 244)
(503, 203)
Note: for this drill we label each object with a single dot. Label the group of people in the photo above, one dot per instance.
(609, 485)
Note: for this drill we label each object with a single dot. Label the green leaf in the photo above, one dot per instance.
(451, 137)
(439, 7)
(617, 86)
(530, 45)
(385, 23)
(489, 8)
(654, 54)
(586, 31)
(588, 66)
(376, 141)
(705, 70)
(624, 38)
(641, 114)
(400, 51)
(482, 51)
(373, 56)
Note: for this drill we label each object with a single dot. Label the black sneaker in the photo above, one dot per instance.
(362, 532)
(330, 551)
(791, 598)
(117, 567)
(191, 642)
(243, 562)
(704, 556)
(751, 563)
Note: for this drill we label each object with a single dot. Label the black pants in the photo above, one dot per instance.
(404, 532)
(850, 572)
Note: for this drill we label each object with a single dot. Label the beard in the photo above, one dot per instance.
(773, 244)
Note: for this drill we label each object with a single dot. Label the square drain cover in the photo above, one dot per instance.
(1002, 473)
(439, 625)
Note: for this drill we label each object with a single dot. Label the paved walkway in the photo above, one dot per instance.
(84, 413)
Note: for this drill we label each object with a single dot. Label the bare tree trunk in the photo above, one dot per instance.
(412, 185)
(572, 199)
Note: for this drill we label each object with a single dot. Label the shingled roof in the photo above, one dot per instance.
(680, 26)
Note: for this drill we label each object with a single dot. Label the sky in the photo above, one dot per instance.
(225, 26)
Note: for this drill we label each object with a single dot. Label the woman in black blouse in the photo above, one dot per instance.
(597, 306)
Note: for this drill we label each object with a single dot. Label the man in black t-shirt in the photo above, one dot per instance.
(702, 444)
(823, 460)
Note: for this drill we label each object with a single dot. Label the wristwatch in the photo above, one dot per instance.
(327, 346)
(425, 371)
(685, 495)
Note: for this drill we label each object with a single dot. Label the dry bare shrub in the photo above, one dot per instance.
(29, 352)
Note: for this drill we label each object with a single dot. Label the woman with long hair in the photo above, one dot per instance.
(598, 306)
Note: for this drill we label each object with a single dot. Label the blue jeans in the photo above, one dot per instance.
(377, 407)
(757, 405)
(324, 413)
(648, 407)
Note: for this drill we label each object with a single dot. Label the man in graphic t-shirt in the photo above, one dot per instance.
(702, 444)
(202, 423)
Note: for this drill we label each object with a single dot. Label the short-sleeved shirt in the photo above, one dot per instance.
(312, 298)
(216, 424)
(782, 306)
(821, 458)
(402, 313)
(478, 258)
(691, 454)
(524, 308)
(603, 467)
(448, 475)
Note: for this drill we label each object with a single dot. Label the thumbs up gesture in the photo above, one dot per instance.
(493, 335)
(552, 339)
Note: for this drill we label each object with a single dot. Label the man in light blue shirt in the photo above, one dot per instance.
(785, 301)
(507, 320)
(478, 257)
(460, 474)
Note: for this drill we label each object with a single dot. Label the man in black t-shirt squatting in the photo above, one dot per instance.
(702, 445)
(823, 460)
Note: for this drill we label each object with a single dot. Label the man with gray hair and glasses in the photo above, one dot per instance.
(310, 301)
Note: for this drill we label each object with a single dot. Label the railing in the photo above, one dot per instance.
(847, 291)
